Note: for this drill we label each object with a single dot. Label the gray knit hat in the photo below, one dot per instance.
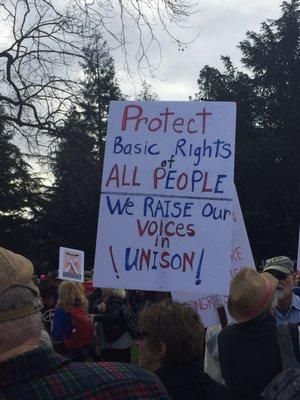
(281, 263)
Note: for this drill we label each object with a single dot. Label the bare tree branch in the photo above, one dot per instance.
(39, 66)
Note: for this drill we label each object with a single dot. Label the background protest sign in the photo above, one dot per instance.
(165, 208)
(241, 257)
(71, 264)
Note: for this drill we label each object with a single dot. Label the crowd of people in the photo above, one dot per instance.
(65, 340)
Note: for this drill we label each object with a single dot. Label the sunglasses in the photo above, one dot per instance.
(281, 276)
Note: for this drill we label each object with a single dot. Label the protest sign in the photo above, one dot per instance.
(241, 254)
(71, 264)
(241, 257)
(166, 199)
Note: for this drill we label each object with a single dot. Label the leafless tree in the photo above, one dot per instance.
(41, 44)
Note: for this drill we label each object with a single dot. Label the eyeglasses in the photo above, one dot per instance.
(281, 276)
(141, 334)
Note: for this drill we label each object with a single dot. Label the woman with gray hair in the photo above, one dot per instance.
(115, 341)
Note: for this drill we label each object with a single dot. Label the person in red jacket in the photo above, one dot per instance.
(72, 325)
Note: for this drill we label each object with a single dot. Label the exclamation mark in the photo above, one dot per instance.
(113, 262)
(198, 280)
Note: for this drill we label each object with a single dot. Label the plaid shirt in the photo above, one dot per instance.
(43, 374)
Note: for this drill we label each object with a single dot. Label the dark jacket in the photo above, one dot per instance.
(250, 356)
(113, 306)
(189, 382)
(112, 323)
(94, 300)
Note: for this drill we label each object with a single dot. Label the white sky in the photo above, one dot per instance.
(222, 25)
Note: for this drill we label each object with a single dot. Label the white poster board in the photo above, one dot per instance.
(71, 264)
(166, 199)
(241, 257)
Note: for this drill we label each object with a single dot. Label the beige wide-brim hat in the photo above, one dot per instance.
(250, 294)
(16, 271)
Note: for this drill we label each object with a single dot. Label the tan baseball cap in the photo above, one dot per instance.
(16, 270)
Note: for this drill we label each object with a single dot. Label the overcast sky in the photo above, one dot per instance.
(222, 25)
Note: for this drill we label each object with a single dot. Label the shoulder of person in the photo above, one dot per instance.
(296, 290)
(294, 328)
(213, 389)
(115, 302)
(61, 313)
(118, 376)
(295, 334)
(227, 330)
(296, 301)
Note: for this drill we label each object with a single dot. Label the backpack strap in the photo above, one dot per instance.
(222, 316)
(287, 355)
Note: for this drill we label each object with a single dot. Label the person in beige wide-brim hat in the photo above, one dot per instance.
(248, 350)
(250, 294)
